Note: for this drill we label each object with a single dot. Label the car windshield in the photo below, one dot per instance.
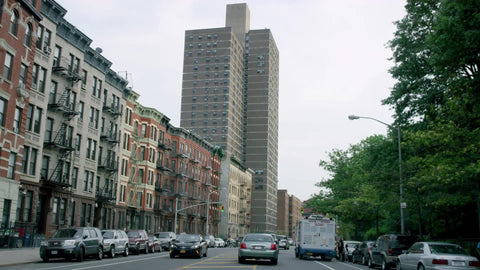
(188, 238)
(150, 238)
(133, 234)
(107, 234)
(218, 239)
(163, 235)
(258, 238)
(447, 249)
(67, 233)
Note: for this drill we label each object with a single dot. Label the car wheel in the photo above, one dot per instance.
(112, 252)
(206, 251)
(241, 260)
(370, 262)
(80, 254)
(125, 253)
(296, 253)
(384, 264)
(147, 249)
(274, 261)
(421, 267)
(398, 266)
(364, 262)
(100, 253)
(172, 256)
(137, 249)
(153, 249)
(45, 258)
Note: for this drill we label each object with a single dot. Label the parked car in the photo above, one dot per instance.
(219, 242)
(436, 255)
(189, 245)
(154, 244)
(282, 242)
(210, 240)
(350, 246)
(363, 252)
(73, 243)
(138, 241)
(115, 242)
(387, 248)
(258, 246)
(166, 239)
(290, 242)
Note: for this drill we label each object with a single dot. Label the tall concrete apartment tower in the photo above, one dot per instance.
(230, 97)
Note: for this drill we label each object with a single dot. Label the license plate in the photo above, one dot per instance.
(257, 247)
(458, 263)
(182, 251)
(309, 253)
(54, 252)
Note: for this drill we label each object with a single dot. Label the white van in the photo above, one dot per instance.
(315, 237)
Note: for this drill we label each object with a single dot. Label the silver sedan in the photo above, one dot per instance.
(436, 255)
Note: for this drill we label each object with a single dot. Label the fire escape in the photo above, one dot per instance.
(61, 141)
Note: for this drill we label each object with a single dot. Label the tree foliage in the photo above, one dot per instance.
(436, 103)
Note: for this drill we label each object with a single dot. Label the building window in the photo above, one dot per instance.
(28, 35)
(63, 205)
(27, 212)
(14, 23)
(84, 79)
(55, 211)
(44, 171)
(7, 67)
(81, 107)
(71, 218)
(78, 140)
(49, 129)
(33, 162)
(41, 80)
(16, 120)
(74, 177)
(37, 120)
(26, 151)
(11, 165)
(35, 75)
(39, 36)
(23, 75)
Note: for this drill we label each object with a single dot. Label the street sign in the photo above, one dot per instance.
(403, 205)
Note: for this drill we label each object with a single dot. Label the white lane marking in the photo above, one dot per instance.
(324, 265)
(70, 266)
(351, 266)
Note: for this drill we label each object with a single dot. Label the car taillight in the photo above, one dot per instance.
(474, 263)
(440, 261)
(273, 247)
(368, 250)
(390, 251)
(243, 245)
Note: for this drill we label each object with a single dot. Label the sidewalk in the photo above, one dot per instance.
(19, 256)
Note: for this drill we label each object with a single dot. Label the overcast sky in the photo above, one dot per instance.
(333, 62)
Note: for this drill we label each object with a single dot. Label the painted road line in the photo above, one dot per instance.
(324, 265)
(110, 264)
(350, 265)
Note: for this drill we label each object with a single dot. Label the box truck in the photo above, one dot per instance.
(315, 237)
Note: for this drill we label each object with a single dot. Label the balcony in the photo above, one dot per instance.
(109, 136)
(59, 142)
(162, 167)
(63, 67)
(109, 165)
(208, 184)
(207, 167)
(106, 195)
(56, 180)
(112, 109)
(182, 155)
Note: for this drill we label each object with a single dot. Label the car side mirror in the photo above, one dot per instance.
(85, 236)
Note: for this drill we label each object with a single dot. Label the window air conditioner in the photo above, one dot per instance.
(47, 50)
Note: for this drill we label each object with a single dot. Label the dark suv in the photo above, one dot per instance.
(73, 243)
(138, 241)
(388, 247)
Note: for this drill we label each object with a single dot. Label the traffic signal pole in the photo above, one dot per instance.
(181, 209)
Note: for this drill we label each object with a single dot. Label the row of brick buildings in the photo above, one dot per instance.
(289, 213)
(78, 149)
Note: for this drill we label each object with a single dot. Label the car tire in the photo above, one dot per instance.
(364, 262)
(147, 249)
(112, 252)
(126, 251)
(370, 262)
(398, 265)
(421, 267)
(100, 253)
(172, 256)
(153, 249)
(45, 258)
(274, 261)
(81, 254)
(206, 251)
(296, 253)
(384, 264)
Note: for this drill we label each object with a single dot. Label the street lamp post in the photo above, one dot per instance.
(355, 117)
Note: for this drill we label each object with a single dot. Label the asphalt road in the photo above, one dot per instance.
(218, 258)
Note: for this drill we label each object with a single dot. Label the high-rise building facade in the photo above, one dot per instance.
(283, 205)
(230, 98)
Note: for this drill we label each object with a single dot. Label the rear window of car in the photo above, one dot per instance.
(405, 241)
(258, 238)
(188, 238)
(163, 235)
(133, 234)
(447, 249)
(67, 233)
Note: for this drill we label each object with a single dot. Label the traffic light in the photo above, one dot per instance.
(221, 208)
(301, 210)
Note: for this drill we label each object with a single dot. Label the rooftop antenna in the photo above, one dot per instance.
(127, 75)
